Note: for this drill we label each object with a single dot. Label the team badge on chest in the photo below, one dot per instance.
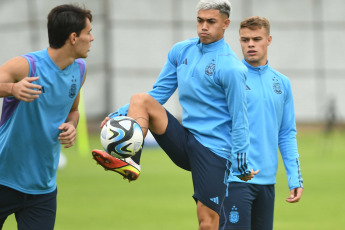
(73, 88)
(210, 68)
(276, 86)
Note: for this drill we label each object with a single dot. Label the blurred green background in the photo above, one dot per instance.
(91, 198)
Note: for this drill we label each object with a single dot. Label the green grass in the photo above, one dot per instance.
(323, 202)
(90, 198)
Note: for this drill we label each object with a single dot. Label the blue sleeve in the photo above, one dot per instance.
(165, 85)
(120, 112)
(287, 141)
(235, 91)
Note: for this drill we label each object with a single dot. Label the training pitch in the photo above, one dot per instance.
(91, 198)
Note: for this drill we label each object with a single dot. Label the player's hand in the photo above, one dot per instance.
(112, 115)
(25, 90)
(250, 176)
(295, 195)
(68, 134)
(105, 121)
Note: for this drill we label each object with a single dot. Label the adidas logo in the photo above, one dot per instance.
(185, 61)
(215, 200)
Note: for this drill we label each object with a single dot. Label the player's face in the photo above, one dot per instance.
(254, 45)
(211, 25)
(83, 41)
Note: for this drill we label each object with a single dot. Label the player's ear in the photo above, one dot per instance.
(72, 38)
(269, 40)
(226, 23)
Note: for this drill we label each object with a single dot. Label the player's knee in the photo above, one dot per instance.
(143, 100)
(208, 219)
(208, 225)
(139, 99)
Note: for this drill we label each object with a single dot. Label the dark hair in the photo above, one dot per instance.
(64, 20)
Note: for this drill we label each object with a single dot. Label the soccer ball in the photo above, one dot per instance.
(121, 137)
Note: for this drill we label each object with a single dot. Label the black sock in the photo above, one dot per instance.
(136, 157)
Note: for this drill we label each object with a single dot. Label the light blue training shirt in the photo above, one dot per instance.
(272, 124)
(211, 89)
(30, 149)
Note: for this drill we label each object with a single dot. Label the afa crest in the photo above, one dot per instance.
(234, 216)
(276, 86)
(210, 69)
(73, 90)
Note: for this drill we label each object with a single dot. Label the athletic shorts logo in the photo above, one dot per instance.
(215, 200)
(210, 69)
(234, 216)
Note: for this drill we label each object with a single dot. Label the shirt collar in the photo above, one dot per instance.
(210, 47)
(258, 68)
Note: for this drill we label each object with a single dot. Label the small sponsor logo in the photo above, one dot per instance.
(215, 200)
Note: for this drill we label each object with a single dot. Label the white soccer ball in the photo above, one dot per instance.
(122, 137)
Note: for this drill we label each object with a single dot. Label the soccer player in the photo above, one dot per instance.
(272, 125)
(40, 113)
(214, 131)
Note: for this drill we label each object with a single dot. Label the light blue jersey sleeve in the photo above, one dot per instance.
(287, 141)
(234, 88)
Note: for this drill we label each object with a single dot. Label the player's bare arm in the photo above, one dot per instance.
(68, 133)
(14, 80)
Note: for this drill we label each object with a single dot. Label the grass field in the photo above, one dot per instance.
(90, 198)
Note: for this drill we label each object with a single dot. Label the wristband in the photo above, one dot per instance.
(12, 88)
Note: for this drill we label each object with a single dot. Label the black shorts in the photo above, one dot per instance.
(248, 206)
(209, 171)
(31, 211)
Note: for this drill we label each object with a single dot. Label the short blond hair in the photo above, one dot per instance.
(256, 22)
